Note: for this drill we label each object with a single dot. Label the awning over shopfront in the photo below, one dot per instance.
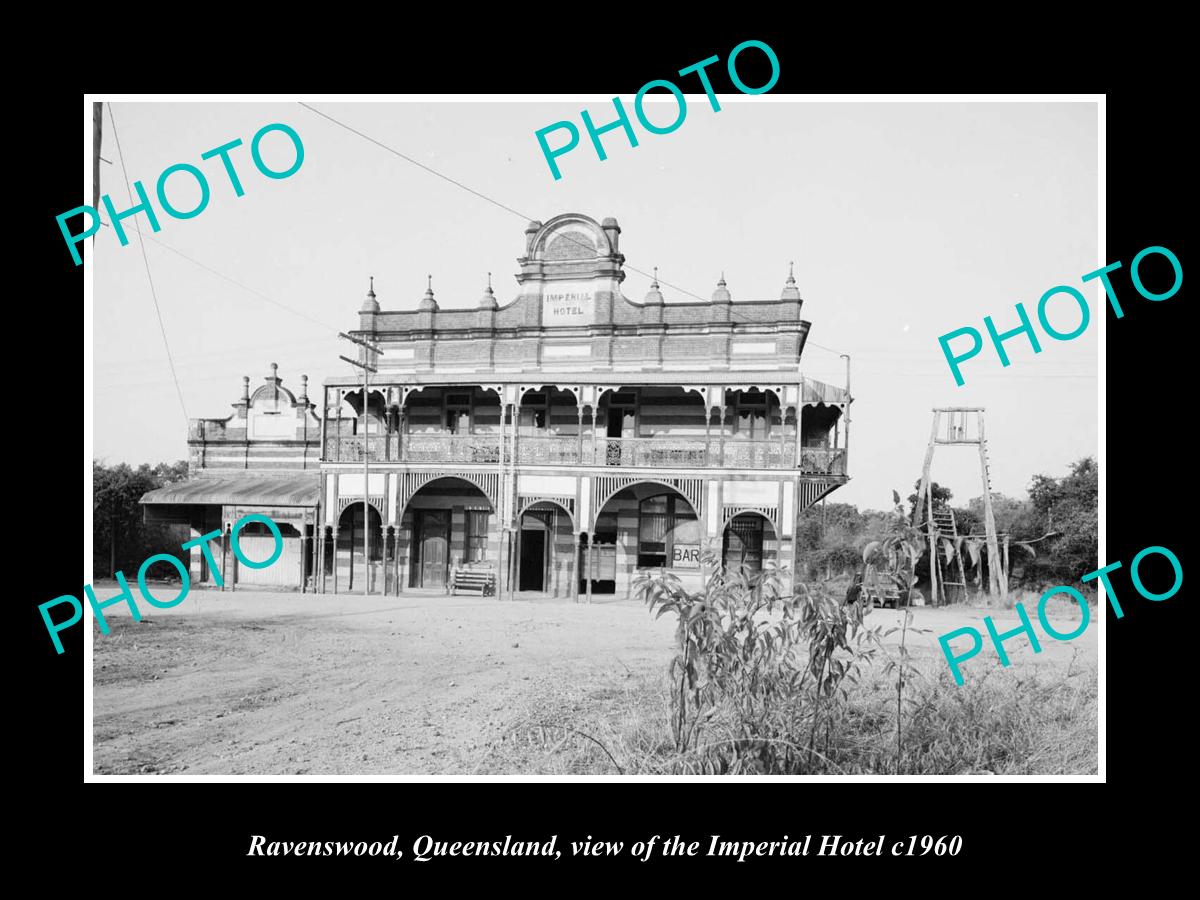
(297, 491)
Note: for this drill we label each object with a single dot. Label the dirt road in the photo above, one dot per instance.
(278, 683)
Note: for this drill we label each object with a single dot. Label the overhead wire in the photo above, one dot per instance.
(496, 203)
(153, 293)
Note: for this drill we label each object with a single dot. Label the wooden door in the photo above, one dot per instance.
(533, 560)
(434, 547)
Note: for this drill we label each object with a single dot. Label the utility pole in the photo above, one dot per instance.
(846, 421)
(97, 128)
(367, 369)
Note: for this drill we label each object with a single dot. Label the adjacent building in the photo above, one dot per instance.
(263, 458)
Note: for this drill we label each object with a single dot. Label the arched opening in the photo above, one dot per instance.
(448, 525)
(756, 430)
(352, 538)
(651, 425)
(820, 453)
(452, 424)
(646, 526)
(548, 426)
(545, 553)
(349, 434)
(748, 542)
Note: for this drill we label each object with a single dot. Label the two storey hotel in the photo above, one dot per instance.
(563, 441)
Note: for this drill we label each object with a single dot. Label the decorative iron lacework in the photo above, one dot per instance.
(411, 482)
(528, 502)
(812, 491)
(375, 500)
(770, 512)
(605, 487)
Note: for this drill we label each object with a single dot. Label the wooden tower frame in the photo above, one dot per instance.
(958, 432)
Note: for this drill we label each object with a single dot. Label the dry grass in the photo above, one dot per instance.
(1041, 721)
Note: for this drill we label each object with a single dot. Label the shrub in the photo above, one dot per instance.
(742, 698)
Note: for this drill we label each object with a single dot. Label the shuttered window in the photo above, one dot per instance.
(477, 535)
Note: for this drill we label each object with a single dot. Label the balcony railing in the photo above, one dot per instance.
(551, 450)
(685, 453)
(823, 461)
(569, 450)
(459, 448)
(452, 448)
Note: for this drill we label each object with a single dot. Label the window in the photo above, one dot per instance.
(744, 543)
(752, 417)
(622, 406)
(533, 412)
(458, 413)
(663, 522)
(477, 535)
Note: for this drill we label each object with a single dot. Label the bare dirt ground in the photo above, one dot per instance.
(261, 683)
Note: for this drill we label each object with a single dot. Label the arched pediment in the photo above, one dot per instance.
(273, 397)
(571, 236)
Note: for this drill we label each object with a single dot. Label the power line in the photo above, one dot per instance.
(497, 203)
(101, 386)
(153, 293)
(244, 287)
(129, 368)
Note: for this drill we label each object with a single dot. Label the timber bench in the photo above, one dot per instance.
(473, 581)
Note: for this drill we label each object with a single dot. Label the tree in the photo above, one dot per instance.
(1071, 509)
(941, 497)
(828, 535)
(1065, 507)
(121, 540)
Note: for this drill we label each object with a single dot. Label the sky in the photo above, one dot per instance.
(905, 221)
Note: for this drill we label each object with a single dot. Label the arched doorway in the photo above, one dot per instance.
(545, 554)
(644, 527)
(748, 542)
(446, 525)
(351, 539)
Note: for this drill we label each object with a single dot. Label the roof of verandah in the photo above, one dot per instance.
(298, 490)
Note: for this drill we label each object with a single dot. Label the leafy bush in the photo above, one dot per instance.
(742, 698)
(121, 539)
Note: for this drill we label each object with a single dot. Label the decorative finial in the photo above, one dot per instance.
(245, 387)
(370, 305)
(427, 302)
(654, 295)
(790, 291)
(274, 369)
(721, 294)
(488, 300)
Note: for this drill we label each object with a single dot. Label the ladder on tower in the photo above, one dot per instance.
(939, 522)
(946, 528)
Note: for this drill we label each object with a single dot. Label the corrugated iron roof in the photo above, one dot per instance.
(298, 490)
(820, 392)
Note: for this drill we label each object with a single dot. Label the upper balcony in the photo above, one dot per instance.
(558, 450)
(652, 426)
